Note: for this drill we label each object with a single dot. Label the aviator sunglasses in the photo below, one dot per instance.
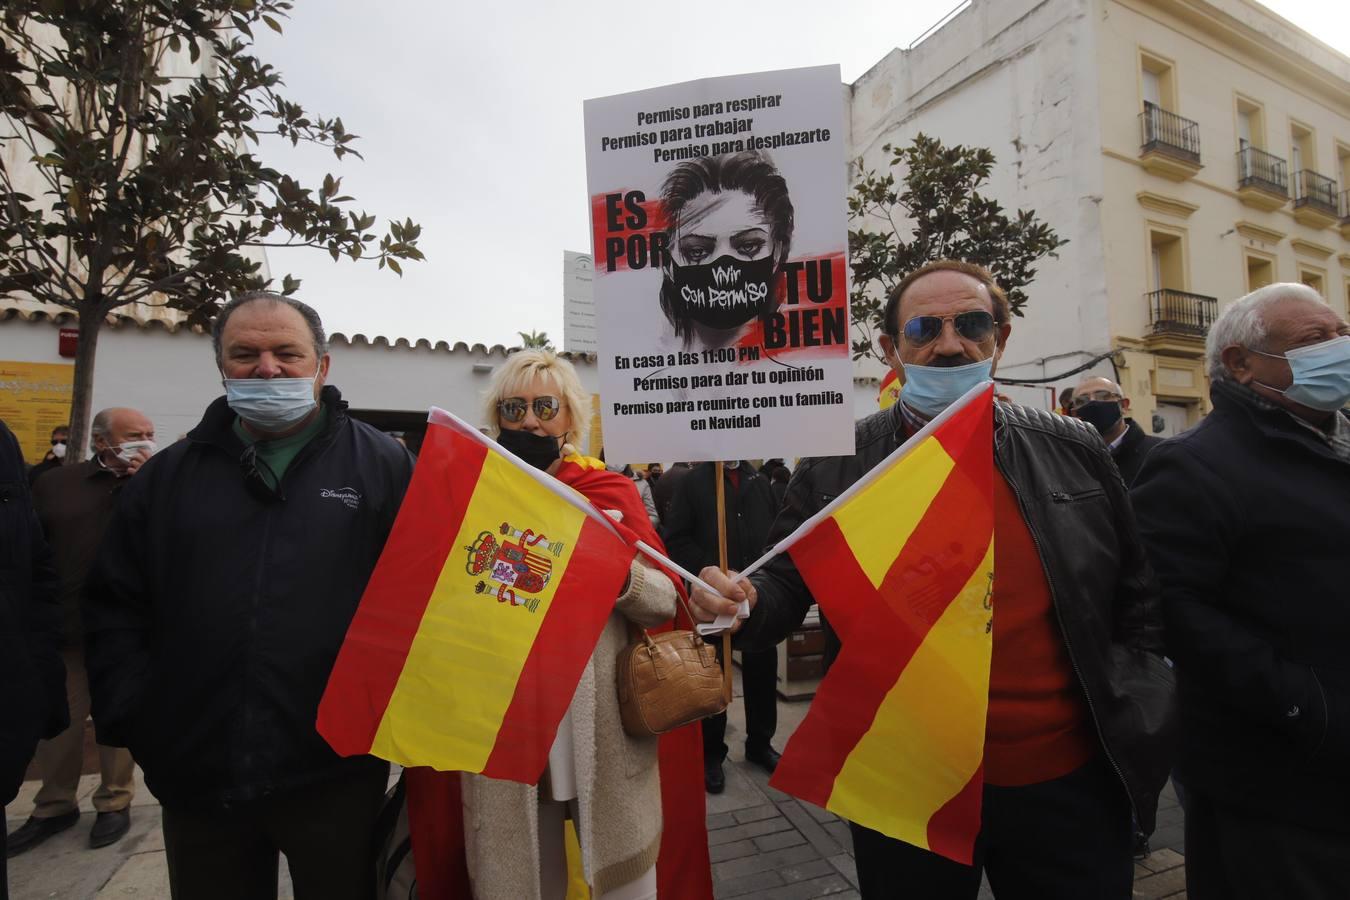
(513, 409)
(975, 325)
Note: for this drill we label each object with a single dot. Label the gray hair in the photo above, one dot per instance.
(1243, 323)
(305, 310)
(102, 425)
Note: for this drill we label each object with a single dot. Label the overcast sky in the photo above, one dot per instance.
(471, 125)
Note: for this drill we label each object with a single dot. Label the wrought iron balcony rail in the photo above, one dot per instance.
(1257, 168)
(1169, 133)
(1318, 191)
(1181, 312)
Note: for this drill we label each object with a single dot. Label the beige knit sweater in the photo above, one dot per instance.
(618, 791)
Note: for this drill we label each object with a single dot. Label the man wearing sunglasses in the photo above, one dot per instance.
(1102, 404)
(1079, 694)
(216, 607)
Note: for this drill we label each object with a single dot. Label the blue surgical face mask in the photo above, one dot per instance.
(1321, 374)
(271, 404)
(931, 389)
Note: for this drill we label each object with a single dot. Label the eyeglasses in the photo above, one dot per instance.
(1083, 400)
(975, 325)
(258, 475)
(514, 409)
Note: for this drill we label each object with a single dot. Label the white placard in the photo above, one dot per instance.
(718, 214)
(578, 303)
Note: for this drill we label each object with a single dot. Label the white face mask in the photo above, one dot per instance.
(59, 450)
(271, 404)
(128, 451)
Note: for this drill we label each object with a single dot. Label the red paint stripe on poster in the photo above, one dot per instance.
(373, 655)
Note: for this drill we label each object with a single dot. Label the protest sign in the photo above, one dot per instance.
(720, 240)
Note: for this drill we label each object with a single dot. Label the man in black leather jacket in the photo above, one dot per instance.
(1080, 696)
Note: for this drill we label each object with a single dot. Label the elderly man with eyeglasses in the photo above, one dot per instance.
(1079, 694)
(216, 607)
(1102, 404)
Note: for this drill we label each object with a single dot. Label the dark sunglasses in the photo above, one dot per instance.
(513, 409)
(976, 325)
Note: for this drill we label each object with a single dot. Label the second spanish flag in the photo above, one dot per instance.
(478, 620)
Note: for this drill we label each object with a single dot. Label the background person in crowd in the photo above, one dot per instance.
(1079, 694)
(32, 683)
(54, 457)
(1102, 404)
(1065, 407)
(1246, 518)
(75, 504)
(216, 607)
(691, 536)
(664, 490)
(607, 782)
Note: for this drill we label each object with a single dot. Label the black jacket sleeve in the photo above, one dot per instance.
(783, 598)
(681, 525)
(117, 616)
(1138, 604)
(1190, 521)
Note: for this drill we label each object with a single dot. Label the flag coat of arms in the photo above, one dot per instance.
(902, 566)
(479, 618)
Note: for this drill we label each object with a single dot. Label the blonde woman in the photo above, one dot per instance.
(606, 782)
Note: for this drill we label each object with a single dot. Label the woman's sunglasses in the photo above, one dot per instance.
(514, 409)
(976, 325)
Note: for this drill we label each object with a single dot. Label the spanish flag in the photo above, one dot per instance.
(479, 618)
(902, 566)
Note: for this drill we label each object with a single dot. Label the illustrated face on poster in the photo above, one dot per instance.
(719, 230)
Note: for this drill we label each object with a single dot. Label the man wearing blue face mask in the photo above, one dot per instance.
(1246, 518)
(1076, 736)
(1079, 694)
(216, 607)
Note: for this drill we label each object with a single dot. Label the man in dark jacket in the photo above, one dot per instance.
(32, 680)
(1079, 695)
(217, 606)
(664, 490)
(692, 539)
(54, 457)
(1246, 518)
(75, 503)
(1102, 404)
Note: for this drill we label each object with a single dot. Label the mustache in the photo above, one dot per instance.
(951, 362)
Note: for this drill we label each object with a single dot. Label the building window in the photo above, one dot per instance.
(1251, 124)
(1260, 270)
(1302, 148)
(1168, 261)
(1313, 278)
(1158, 81)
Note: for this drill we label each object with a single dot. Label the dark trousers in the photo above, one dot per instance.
(1235, 855)
(326, 831)
(1067, 839)
(759, 682)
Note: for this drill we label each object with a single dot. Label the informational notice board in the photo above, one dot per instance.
(718, 217)
(34, 399)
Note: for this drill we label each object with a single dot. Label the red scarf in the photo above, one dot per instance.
(435, 810)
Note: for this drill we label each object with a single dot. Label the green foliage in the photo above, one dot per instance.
(935, 212)
(150, 189)
(535, 340)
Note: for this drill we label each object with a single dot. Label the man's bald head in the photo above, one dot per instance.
(119, 425)
(1094, 383)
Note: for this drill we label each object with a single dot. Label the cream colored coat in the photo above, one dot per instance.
(618, 791)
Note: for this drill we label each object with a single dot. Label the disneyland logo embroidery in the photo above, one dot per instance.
(518, 563)
(350, 497)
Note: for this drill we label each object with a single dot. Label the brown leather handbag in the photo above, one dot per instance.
(670, 679)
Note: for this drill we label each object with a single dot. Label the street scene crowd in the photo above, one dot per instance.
(1162, 609)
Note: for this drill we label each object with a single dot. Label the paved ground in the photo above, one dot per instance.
(763, 844)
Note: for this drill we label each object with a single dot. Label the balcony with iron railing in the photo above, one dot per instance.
(1173, 312)
(1169, 143)
(1263, 178)
(1315, 200)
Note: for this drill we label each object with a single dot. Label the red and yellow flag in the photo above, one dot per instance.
(479, 618)
(902, 566)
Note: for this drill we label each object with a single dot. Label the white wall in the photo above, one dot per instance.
(1018, 77)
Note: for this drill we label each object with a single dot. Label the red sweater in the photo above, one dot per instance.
(1038, 727)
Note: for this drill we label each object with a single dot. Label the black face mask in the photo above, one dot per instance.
(539, 450)
(725, 293)
(1100, 414)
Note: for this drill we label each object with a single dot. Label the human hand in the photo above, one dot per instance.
(707, 606)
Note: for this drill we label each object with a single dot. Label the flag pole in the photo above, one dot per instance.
(722, 564)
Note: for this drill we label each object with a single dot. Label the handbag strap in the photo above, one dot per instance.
(637, 633)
